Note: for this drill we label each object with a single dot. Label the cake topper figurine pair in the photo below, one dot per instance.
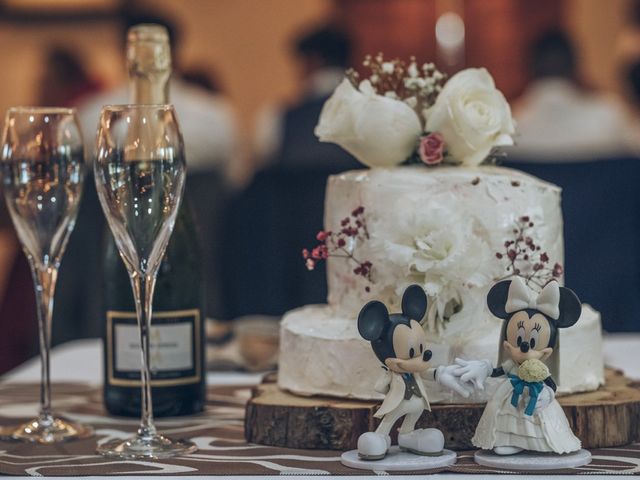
(522, 415)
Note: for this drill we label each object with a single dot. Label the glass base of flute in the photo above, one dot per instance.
(47, 429)
(155, 446)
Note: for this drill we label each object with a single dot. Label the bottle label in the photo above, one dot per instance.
(174, 348)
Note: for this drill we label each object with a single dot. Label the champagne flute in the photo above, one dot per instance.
(140, 173)
(42, 164)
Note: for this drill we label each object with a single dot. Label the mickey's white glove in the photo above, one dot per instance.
(445, 376)
(545, 397)
(473, 372)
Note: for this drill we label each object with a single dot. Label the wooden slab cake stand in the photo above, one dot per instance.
(607, 417)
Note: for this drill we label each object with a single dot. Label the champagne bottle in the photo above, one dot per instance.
(177, 328)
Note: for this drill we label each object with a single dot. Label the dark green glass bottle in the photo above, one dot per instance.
(178, 377)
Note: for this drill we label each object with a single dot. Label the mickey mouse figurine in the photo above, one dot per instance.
(399, 342)
(523, 413)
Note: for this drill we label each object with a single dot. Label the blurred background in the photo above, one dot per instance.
(250, 79)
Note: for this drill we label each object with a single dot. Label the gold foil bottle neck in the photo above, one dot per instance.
(148, 32)
(148, 63)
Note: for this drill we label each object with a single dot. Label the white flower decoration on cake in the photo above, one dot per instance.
(472, 116)
(378, 130)
(433, 246)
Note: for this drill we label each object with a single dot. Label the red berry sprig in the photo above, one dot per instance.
(334, 244)
(522, 252)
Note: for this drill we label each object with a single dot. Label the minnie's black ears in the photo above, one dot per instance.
(570, 308)
(414, 302)
(372, 319)
(497, 298)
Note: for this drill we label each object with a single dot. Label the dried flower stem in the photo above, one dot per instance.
(526, 259)
(334, 244)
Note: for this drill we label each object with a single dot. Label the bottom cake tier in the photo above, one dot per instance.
(321, 353)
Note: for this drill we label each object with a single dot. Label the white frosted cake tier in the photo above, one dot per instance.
(445, 229)
(440, 228)
(321, 353)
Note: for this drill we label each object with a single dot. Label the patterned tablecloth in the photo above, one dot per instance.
(218, 433)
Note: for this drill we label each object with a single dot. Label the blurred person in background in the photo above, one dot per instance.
(558, 118)
(207, 119)
(284, 135)
(65, 82)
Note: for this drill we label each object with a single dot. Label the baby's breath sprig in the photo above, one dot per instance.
(417, 85)
(525, 258)
(336, 244)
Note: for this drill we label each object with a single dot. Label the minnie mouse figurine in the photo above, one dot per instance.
(523, 414)
(399, 342)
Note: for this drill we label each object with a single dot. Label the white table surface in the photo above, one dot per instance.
(81, 361)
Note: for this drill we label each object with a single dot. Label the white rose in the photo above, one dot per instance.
(472, 116)
(379, 131)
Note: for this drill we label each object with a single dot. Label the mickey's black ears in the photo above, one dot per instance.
(570, 308)
(497, 298)
(372, 319)
(414, 302)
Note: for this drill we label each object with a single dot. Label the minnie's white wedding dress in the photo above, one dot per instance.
(503, 425)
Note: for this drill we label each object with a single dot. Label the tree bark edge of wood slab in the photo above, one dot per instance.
(607, 417)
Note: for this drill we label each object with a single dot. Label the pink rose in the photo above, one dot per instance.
(431, 149)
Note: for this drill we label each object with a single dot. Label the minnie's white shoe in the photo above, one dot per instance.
(373, 446)
(506, 450)
(426, 441)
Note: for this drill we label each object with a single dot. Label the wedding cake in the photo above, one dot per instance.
(441, 220)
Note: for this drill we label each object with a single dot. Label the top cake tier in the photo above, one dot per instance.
(443, 228)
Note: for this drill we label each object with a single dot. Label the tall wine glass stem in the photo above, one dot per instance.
(143, 286)
(44, 279)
